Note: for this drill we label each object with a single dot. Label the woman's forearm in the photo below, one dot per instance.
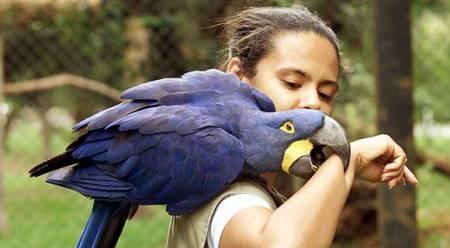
(309, 218)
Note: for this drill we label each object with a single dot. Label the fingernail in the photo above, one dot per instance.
(383, 178)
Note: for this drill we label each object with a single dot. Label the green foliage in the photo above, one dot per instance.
(430, 43)
(356, 99)
(431, 62)
(91, 43)
(25, 145)
(433, 195)
(84, 42)
(433, 203)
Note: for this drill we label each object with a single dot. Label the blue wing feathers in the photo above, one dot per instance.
(170, 143)
(177, 167)
(121, 148)
(90, 181)
(106, 116)
(146, 142)
(98, 135)
(192, 98)
(155, 89)
(88, 149)
(193, 87)
(100, 157)
(128, 165)
(189, 82)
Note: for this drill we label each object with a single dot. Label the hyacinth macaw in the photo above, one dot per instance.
(182, 141)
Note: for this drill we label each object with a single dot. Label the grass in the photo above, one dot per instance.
(42, 215)
(433, 201)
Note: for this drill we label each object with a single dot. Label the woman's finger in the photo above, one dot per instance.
(391, 174)
(410, 178)
(391, 184)
(398, 179)
(395, 180)
(399, 156)
(395, 166)
(392, 167)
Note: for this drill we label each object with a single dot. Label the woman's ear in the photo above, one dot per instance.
(234, 66)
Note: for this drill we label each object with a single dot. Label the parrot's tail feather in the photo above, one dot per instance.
(60, 161)
(115, 226)
(105, 224)
(88, 180)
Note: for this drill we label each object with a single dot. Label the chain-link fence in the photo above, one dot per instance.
(122, 43)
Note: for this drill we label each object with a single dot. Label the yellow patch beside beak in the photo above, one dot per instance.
(294, 151)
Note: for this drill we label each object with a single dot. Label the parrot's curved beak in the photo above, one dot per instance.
(304, 157)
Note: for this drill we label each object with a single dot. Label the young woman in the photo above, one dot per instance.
(293, 57)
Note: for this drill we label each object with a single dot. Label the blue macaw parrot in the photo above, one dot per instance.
(182, 141)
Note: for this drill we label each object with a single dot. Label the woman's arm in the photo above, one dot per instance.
(309, 218)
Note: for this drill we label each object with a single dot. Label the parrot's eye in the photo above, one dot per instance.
(288, 127)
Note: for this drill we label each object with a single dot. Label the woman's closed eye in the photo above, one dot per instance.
(325, 97)
(291, 85)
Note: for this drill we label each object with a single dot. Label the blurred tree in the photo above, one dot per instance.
(3, 117)
(431, 58)
(393, 62)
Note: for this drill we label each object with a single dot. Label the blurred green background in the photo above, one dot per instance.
(123, 43)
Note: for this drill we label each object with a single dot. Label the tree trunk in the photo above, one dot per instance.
(3, 116)
(396, 218)
(137, 53)
(7, 128)
(45, 131)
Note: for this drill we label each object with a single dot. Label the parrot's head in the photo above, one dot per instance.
(295, 141)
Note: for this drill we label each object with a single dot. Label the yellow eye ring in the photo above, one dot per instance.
(288, 127)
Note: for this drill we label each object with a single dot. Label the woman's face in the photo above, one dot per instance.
(300, 71)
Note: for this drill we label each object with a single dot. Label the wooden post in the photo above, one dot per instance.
(3, 116)
(396, 219)
(136, 54)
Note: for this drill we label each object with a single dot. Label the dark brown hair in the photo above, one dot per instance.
(250, 32)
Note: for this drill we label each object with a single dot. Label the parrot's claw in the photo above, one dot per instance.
(314, 167)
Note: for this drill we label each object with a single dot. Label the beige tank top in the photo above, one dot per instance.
(191, 230)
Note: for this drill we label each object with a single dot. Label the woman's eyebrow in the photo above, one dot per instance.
(295, 71)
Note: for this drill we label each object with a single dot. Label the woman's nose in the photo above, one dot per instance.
(309, 99)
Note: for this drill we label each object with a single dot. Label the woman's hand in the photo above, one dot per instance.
(379, 158)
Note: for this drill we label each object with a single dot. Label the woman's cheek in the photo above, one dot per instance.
(327, 108)
(285, 103)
